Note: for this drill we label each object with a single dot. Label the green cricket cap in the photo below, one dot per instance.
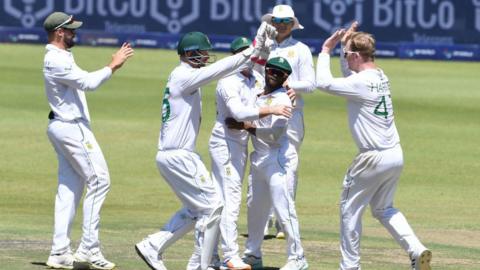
(193, 41)
(58, 20)
(279, 63)
(239, 43)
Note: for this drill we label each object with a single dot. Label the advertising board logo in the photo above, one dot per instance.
(338, 9)
(173, 21)
(26, 13)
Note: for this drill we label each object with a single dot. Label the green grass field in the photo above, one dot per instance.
(437, 115)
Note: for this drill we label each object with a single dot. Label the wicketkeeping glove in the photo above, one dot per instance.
(264, 31)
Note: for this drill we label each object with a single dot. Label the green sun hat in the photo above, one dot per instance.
(240, 43)
(58, 20)
(193, 41)
(280, 63)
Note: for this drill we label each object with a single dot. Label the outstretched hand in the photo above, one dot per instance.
(332, 41)
(352, 29)
(121, 56)
(264, 32)
(270, 32)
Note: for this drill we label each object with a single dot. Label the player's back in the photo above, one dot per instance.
(371, 116)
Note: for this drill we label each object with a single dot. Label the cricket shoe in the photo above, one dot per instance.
(149, 255)
(280, 233)
(94, 258)
(254, 262)
(61, 260)
(296, 264)
(422, 261)
(235, 263)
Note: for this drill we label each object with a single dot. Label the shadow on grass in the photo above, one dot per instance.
(265, 237)
(76, 266)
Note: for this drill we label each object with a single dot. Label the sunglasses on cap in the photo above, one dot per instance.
(282, 20)
(66, 22)
(276, 72)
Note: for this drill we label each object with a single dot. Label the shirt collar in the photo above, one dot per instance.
(285, 42)
(278, 90)
(51, 47)
(184, 64)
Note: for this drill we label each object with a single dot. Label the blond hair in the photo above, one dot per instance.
(364, 44)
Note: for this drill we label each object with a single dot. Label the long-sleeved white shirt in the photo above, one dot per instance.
(235, 97)
(298, 55)
(370, 109)
(65, 84)
(271, 142)
(182, 108)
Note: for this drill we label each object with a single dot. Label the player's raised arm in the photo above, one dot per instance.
(197, 57)
(324, 78)
(121, 56)
(83, 80)
(346, 71)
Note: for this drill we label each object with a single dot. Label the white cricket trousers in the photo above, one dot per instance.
(269, 187)
(295, 134)
(186, 174)
(228, 168)
(372, 180)
(80, 163)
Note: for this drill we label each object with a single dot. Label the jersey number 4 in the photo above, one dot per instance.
(166, 105)
(381, 108)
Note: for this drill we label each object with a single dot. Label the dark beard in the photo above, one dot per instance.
(69, 43)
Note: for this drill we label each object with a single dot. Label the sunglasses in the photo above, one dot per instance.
(345, 53)
(68, 21)
(276, 72)
(282, 20)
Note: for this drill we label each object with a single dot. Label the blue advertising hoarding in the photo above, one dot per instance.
(433, 29)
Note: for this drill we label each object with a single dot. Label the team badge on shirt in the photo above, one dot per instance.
(291, 54)
(258, 84)
(88, 145)
(269, 100)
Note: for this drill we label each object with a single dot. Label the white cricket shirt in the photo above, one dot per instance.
(65, 84)
(271, 142)
(182, 108)
(235, 97)
(298, 55)
(370, 109)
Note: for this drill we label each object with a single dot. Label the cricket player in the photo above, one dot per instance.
(80, 160)
(177, 160)
(373, 175)
(302, 80)
(235, 98)
(269, 172)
